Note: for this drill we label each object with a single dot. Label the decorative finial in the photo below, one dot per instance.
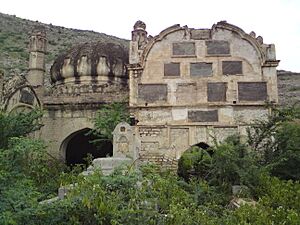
(139, 25)
(260, 40)
(39, 30)
(253, 34)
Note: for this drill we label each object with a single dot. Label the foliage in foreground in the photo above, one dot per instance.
(154, 196)
(150, 196)
(18, 124)
(28, 173)
(273, 146)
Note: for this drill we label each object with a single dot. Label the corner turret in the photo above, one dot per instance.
(138, 41)
(37, 51)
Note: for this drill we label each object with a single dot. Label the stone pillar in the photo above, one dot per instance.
(137, 44)
(138, 41)
(270, 73)
(37, 50)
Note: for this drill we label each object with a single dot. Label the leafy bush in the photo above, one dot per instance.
(28, 173)
(195, 162)
(107, 118)
(18, 124)
(277, 142)
(153, 196)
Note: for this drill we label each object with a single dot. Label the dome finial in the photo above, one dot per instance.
(139, 25)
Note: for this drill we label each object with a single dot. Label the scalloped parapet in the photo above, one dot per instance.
(140, 47)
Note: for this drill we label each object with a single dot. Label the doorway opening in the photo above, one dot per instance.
(79, 145)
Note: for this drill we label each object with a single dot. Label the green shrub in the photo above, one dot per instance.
(195, 162)
(18, 124)
(107, 118)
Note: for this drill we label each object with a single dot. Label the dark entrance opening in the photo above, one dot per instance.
(202, 145)
(205, 146)
(79, 146)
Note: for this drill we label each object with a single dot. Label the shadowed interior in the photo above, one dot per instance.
(79, 146)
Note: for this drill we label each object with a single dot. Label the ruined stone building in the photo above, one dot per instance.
(185, 87)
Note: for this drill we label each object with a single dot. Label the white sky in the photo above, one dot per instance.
(277, 21)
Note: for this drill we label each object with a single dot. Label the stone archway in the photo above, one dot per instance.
(195, 161)
(77, 146)
(202, 145)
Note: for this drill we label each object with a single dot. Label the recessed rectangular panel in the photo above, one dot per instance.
(252, 91)
(203, 116)
(217, 47)
(216, 92)
(179, 138)
(186, 93)
(183, 48)
(201, 69)
(172, 69)
(200, 34)
(152, 92)
(232, 67)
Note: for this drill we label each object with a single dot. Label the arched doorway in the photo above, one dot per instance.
(78, 145)
(195, 161)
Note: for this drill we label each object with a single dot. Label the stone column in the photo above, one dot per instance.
(269, 73)
(37, 51)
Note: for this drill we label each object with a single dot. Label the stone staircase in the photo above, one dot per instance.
(161, 160)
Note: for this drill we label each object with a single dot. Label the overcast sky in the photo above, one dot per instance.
(277, 21)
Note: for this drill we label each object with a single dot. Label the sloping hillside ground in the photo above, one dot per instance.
(14, 36)
(288, 87)
(14, 40)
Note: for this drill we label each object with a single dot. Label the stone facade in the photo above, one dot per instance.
(190, 85)
(185, 86)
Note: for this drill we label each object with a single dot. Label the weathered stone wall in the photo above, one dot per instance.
(59, 124)
(195, 84)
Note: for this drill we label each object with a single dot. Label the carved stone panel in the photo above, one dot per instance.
(232, 67)
(183, 48)
(203, 116)
(152, 92)
(252, 91)
(217, 47)
(216, 92)
(200, 34)
(186, 93)
(201, 69)
(123, 145)
(125, 142)
(172, 69)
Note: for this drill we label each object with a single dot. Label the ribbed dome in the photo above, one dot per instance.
(88, 62)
